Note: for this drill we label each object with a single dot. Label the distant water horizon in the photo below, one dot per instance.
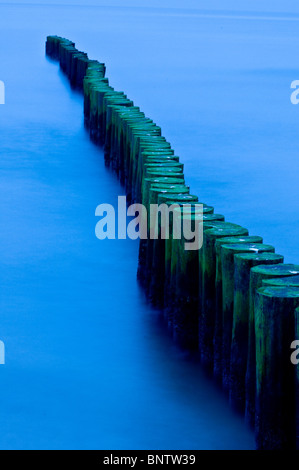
(276, 6)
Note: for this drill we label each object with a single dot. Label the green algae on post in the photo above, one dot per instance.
(295, 362)
(207, 296)
(207, 322)
(175, 246)
(257, 275)
(218, 335)
(239, 350)
(275, 417)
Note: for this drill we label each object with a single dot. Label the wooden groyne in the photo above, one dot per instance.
(234, 301)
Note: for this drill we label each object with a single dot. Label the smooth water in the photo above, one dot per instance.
(88, 364)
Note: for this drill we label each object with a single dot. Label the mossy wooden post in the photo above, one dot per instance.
(131, 129)
(145, 128)
(82, 65)
(208, 307)
(161, 171)
(296, 365)
(257, 275)
(120, 116)
(153, 226)
(66, 59)
(160, 178)
(162, 185)
(89, 83)
(186, 209)
(209, 220)
(150, 154)
(218, 301)
(111, 108)
(228, 267)
(133, 125)
(170, 280)
(91, 87)
(136, 133)
(53, 46)
(166, 172)
(76, 68)
(112, 115)
(157, 278)
(275, 417)
(185, 314)
(212, 221)
(291, 281)
(239, 351)
(94, 91)
(163, 166)
(150, 158)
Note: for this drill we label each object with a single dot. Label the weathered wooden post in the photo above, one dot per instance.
(177, 246)
(288, 281)
(91, 85)
(170, 279)
(154, 193)
(208, 307)
(218, 331)
(53, 45)
(157, 277)
(189, 282)
(186, 278)
(152, 187)
(296, 365)
(149, 152)
(132, 132)
(228, 268)
(275, 417)
(112, 107)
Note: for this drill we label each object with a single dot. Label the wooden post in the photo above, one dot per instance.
(157, 277)
(218, 335)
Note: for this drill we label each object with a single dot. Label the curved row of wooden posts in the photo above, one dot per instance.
(234, 300)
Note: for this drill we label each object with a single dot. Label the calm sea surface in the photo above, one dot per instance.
(88, 364)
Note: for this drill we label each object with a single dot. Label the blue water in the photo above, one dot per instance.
(88, 364)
